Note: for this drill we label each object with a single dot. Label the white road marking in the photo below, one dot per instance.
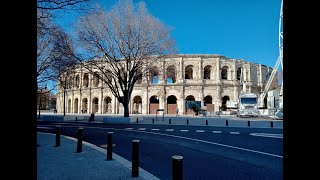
(128, 128)
(184, 130)
(267, 135)
(192, 139)
(199, 130)
(155, 129)
(216, 131)
(142, 129)
(169, 130)
(40, 127)
(234, 133)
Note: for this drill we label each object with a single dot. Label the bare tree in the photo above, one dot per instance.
(123, 44)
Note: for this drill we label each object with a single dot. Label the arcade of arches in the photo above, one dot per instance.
(211, 79)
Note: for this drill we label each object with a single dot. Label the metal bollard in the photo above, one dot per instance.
(152, 120)
(135, 158)
(169, 121)
(227, 123)
(57, 136)
(177, 164)
(137, 120)
(76, 119)
(206, 121)
(271, 123)
(248, 123)
(187, 121)
(109, 146)
(79, 136)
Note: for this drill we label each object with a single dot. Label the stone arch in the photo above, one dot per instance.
(137, 105)
(224, 102)
(95, 105)
(75, 105)
(154, 75)
(170, 74)
(224, 72)
(77, 83)
(85, 80)
(171, 104)
(188, 72)
(254, 75)
(69, 106)
(84, 105)
(153, 104)
(107, 109)
(207, 102)
(188, 108)
(239, 73)
(95, 79)
(207, 72)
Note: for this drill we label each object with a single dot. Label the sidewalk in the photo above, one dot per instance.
(64, 163)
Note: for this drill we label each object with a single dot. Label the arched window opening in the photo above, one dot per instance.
(107, 105)
(86, 80)
(224, 103)
(95, 106)
(224, 72)
(171, 104)
(188, 72)
(171, 74)
(207, 72)
(95, 80)
(137, 105)
(75, 106)
(154, 104)
(69, 106)
(77, 81)
(239, 73)
(84, 105)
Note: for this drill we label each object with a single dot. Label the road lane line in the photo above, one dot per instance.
(41, 127)
(155, 129)
(267, 135)
(128, 128)
(184, 130)
(142, 129)
(192, 139)
(199, 130)
(234, 133)
(169, 130)
(216, 131)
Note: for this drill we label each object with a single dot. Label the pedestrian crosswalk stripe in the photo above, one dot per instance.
(216, 131)
(142, 129)
(169, 130)
(234, 133)
(184, 130)
(155, 129)
(199, 130)
(128, 128)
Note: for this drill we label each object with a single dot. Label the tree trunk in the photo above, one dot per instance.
(126, 108)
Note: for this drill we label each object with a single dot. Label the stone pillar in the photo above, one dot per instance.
(101, 101)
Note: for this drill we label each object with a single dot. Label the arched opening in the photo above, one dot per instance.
(77, 81)
(190, 105)
(75, 106)
(254, 76)
(154, 104)
(171, 104)
(84, 105)
(95, 80)
(188, 72)
(107, 105)
(86, 80)
(170, 74)
(239, 73)
(137, 105)
(69, 106)
(207, 72)
(70, 83)
(224, 102)
(154, 75)
(207, 102)
(224, 72)
(95, 106)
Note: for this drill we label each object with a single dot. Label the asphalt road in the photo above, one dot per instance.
(208, 152)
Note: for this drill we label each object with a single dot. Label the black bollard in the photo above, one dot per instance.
(227, 123)
(109, 146)
(152, 120)
(177, 164)
(79, 144)
(187, 121)
(248, 123)
(57, 136)
(137, 120)
(271, 123)
(169, 121)
(206, 121)
(76, 119)
(135, 158)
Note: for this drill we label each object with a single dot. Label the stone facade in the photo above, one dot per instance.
(211, 79)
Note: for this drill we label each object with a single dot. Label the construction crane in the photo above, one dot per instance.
(278, 63)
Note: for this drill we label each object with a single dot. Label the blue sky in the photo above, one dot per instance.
(242, 29)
